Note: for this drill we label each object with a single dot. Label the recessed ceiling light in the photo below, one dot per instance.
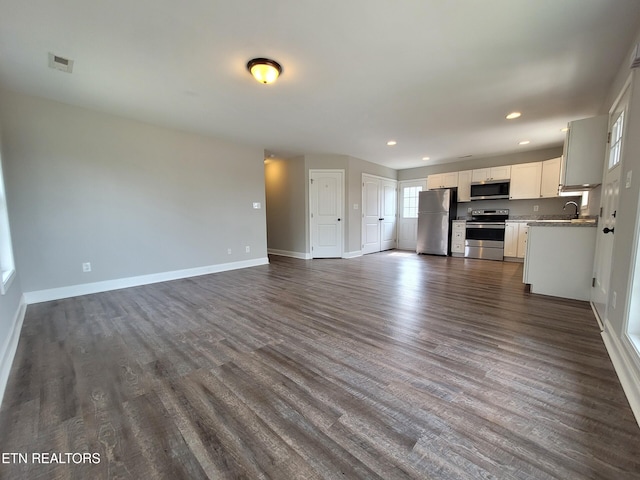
(513, 115)
(524, 142)
(425, 158)
(565, 129)
(391, 143)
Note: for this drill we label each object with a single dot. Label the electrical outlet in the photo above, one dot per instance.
(257, 205)
(86, 267)
(247, 249)
(535, 208)
(228, 251)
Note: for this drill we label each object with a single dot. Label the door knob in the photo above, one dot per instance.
(381, 219)
(608, 230)
(338, 219)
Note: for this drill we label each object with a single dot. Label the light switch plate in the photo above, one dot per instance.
(356, 206)
(256, 205)
(628, 182)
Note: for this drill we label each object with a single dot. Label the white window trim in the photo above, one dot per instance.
(7, 280)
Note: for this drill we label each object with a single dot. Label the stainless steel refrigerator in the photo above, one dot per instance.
(436, 210)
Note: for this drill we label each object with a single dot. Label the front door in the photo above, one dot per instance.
(326, 212)
(608, 208)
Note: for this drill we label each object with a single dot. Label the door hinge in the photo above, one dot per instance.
(312, 249)
(609, 137)
(600, 212)
(312, 181)
(312, 215)
(593, 282)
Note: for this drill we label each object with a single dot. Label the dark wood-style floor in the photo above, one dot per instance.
(388, 366)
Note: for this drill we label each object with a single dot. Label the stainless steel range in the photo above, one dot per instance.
(485, 234)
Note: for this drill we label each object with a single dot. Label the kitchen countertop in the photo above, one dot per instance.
(550, 221)
(580, 222)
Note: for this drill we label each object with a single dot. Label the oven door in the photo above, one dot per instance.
(485, 240)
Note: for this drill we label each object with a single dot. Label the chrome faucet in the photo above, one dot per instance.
(575, 204)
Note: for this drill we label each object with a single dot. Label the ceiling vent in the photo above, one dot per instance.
(60, 63)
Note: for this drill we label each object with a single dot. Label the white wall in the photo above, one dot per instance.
(131, 198)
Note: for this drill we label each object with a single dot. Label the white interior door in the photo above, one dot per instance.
(371, 214)
(608, 208)
(408, 217)
(389, 210)
(379, 214)
(326, 211)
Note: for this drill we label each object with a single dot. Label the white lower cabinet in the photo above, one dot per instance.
(523, 235)
(458, 233)
(560, 261)
(515, 239)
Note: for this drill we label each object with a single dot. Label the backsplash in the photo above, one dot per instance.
(547, 207)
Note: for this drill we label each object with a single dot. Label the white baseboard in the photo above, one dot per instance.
(10, 346)
(97, 287)
(286, 253)
(597, 315)
(625, 367)
(357, 253)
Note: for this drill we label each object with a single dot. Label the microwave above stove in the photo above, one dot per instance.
(490, 190)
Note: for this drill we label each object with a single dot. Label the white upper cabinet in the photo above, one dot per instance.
(442, 180)
(525, 181)
(550, 177)
(493, 173)
(584, 152)
(464, 186)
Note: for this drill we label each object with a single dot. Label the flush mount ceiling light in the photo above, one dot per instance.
(565, 129)
(264, 70)
(391, 143)
(513, 115)
(524, 142)
(425, 158)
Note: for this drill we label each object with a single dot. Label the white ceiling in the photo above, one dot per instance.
(437, 76)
